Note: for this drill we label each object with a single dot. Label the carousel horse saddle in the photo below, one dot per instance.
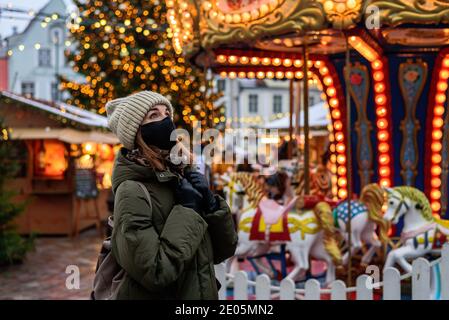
(270, 221)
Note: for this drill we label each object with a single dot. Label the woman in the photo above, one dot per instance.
(168, 248)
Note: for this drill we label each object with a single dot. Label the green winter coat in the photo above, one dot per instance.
(169, 251)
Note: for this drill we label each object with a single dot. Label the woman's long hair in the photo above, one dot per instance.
(159, 159)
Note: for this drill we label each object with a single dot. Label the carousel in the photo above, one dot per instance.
(383, 67)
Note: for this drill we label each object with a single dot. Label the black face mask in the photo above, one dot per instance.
(158, 133)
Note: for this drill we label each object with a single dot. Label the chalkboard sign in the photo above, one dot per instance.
(85, 184)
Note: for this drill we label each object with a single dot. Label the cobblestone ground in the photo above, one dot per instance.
(43, 274)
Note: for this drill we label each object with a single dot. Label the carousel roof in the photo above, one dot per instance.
(284, 26)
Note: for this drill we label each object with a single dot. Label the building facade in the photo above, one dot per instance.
(36, 55)
(255, 103)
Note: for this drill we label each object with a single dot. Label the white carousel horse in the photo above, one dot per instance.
(419, 228)
(311, 232)
(366, 216)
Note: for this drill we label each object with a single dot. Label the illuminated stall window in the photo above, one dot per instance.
(51, 159)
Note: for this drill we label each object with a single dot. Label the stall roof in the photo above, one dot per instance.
(318, 117)
(61, 109)
(67, 135)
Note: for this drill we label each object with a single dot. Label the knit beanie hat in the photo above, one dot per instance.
(125, 115)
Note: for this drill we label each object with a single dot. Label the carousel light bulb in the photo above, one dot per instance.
(276, 62)
(438, 122)
(298, 74)
(384, 171)
(436, 170)
(340, 148)
(260, 75)
(270, 74)
(377, 64)
(242, 74)
(379, 87)
(381, 99)
(341, 159)
(342, 193)
(221, 58)
(442, 86)
(287, 62)
(279, 74)
(342, 182)
(439, 110)
(435, 182)
(341, 170)
(440, 98)
(382, 123)
(336, 114)
(384, 159)
(435, 194)
(333, 102)
(251, 75)
(289, 75)
(266, 61)
(385, 182)
(383, 147)
(324, 71)
(297, 63)
(255, 60)
(378, 76)
(331, 91)
(339, 136)
(437, 134)
(435, 206)
(244, 60)
(436, 146)
(338, 125)
(436, 158)
(328, 81)
(444, 74)
(232, 75)
(232, 59)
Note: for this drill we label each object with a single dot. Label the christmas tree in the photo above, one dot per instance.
(13, 247)
(124, 46)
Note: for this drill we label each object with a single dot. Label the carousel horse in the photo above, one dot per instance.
(420, 226)
(366, 216)
(263, 224)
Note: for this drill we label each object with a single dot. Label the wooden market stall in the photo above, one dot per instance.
(65, 159)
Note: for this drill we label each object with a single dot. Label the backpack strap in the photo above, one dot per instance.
(147, 194)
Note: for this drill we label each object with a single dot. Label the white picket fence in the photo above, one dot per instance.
(391, 284)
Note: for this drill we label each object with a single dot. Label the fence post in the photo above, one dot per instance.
(420, 279)
(241, 286)
(338, 290)
(263, 287)
(312, 288)
(364, 287)
(444, 267)
(220, 273)
(287, 289)
(392, 284)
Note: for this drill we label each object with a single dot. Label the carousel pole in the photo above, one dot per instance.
(290, 127)
(348, 158)
(306, 120)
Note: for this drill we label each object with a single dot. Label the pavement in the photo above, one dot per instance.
(42, 276)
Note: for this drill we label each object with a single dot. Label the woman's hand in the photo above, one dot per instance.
(199, 182)
(187, 196)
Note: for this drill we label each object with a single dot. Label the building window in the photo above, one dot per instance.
(277, 104)
(54, 92)
(221, 85)
(44, 58)
(311, 101)
(28, 89)
(253, 102)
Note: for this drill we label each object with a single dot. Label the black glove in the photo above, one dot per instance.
(199, 182)
(187, 196)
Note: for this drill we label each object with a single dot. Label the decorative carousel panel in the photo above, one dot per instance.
(359, 89)
(412, 78)
(411, 11)
(239, 21)
(417, 37)
(342, 13)
(320, 42)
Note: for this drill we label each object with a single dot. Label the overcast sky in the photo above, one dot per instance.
(21, 20)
